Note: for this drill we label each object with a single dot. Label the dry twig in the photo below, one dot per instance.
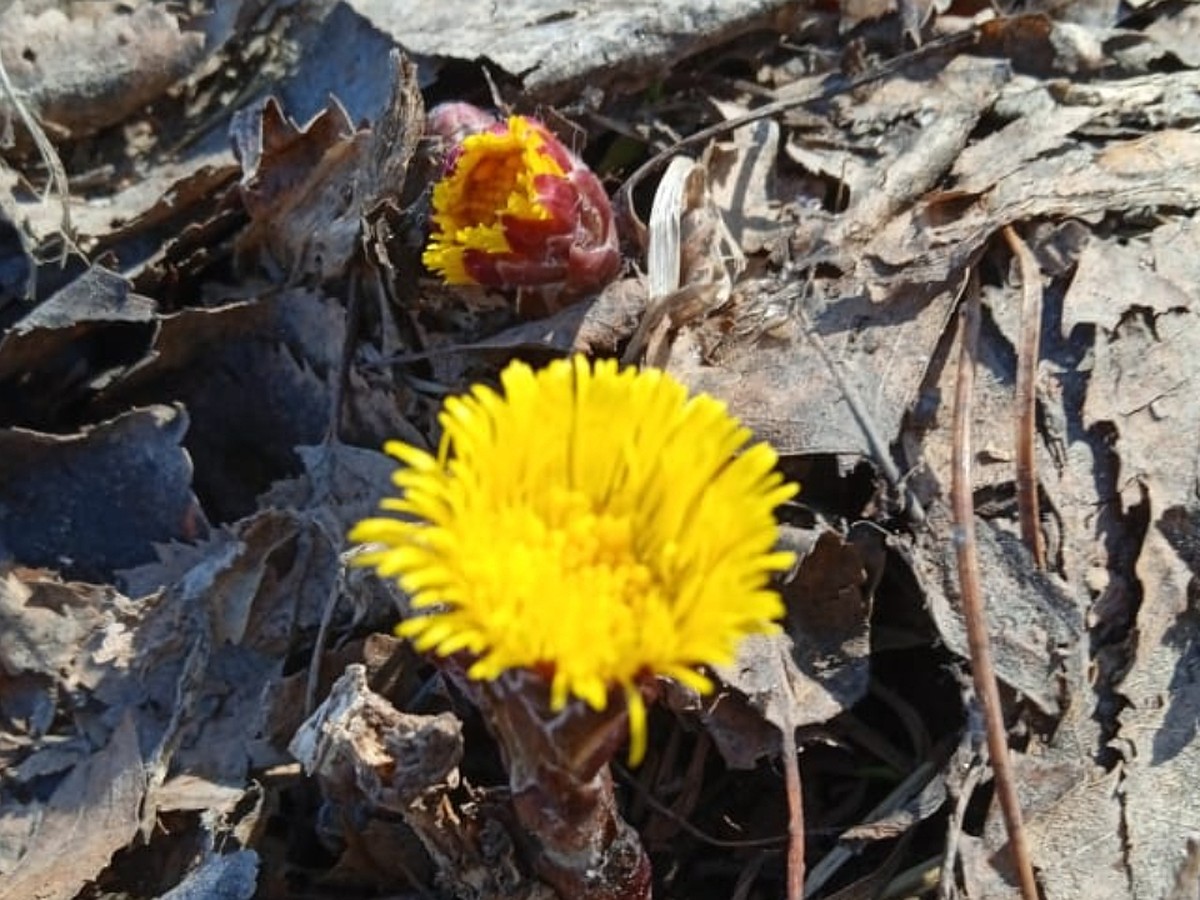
(1026, 397)
(974, 615)
(954, 828)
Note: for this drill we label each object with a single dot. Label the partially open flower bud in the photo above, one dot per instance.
(517, 209)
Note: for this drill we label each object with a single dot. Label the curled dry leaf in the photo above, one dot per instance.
(362, 748)
(308, 187)
(692, 260)
(369, 756)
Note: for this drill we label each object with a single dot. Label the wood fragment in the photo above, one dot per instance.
(1026, 397)
(974, 615)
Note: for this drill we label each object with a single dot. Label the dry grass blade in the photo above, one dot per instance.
(954, 828)
(1027, 361)
(974, 615)
(58, 175)
(896, 799)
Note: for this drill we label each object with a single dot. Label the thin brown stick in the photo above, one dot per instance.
(1026, 397)
(795, 796)
(974, 615)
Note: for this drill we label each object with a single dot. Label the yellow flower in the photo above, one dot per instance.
(517, 209)
(592, 524)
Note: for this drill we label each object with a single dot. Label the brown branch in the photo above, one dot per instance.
(974, 614)
(1026, 397)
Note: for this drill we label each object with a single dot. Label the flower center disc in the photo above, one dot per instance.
(568, 581)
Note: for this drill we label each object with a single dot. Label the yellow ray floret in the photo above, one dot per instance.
(591, 523)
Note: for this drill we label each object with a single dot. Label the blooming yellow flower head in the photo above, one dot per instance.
(517, 209)
(589, 523)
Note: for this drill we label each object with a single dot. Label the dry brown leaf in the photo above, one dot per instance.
(340, 484)
(131, 467)
(85, 67)
(308, 187)
(556, 47)
(594, 327)
(255, 378)
(1158, 273)
(93, 813)
(814, 671)
(798, 399)
(364, 749)
(1143, 384)
(1041, 131)
(300, 185)
(1035, 621)
(926, 125)
(741, 176)
(49, 623)
(922, 250)
(66, 348)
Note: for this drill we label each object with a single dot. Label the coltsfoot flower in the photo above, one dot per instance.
(517, 209)
(592, 524)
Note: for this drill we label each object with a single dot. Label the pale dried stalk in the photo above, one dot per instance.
(1028, 349)
(974, 615)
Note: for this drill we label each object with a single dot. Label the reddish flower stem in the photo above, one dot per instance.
(562, 790)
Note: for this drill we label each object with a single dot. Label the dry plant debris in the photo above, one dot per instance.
(214, 313)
